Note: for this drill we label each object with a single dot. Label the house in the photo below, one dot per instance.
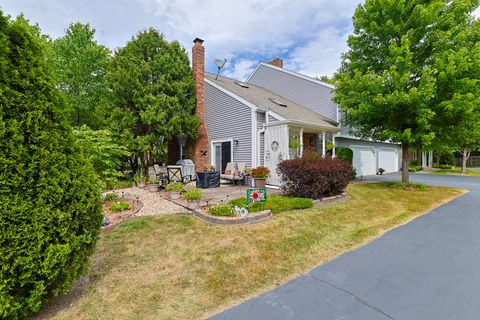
(276, 114)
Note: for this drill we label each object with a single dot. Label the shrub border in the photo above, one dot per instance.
(137, 206)
(254, 217)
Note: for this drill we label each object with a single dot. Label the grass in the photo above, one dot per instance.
(457, 172)
(177, 267)
(275, 203)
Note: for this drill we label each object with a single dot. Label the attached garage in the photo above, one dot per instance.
(388, 159)
(364, 160)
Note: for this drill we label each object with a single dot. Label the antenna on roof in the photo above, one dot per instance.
(220, 64)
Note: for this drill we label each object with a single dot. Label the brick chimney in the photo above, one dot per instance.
(200, 156)
(277, 62)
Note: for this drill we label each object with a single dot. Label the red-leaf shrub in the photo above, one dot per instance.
(314, 177)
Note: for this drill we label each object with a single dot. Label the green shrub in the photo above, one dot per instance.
(413, 168)
(412, 186)
(120, 206)
(119, 184)
(275, 203)
(346, 154)
(174, 186)
(221, 210)
(50, 207)
(444, 166)
(152, 181)
(111, 196)
(192, 194)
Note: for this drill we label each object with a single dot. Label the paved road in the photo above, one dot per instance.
(426, 269)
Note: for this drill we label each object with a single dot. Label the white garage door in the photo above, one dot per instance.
(388, 159)
(364, 161)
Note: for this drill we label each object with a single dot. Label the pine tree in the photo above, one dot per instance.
(50, 211)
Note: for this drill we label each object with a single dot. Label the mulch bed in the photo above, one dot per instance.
(117, 217)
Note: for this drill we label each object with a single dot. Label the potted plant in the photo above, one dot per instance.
(152, 185)
(260, 175)
(139, 180)
(174, 190)
(193, 196)
(210, 168)
(381, 171)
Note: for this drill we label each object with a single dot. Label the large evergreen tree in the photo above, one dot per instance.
(50, 212)
(153, 94)
(387, 82)
(80, 66)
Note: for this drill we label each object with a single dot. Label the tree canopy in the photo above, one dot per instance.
(50, 211)
(80, 66)
(387, 83)
(152, 93)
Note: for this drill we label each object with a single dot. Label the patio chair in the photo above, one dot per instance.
(234, 172)
(174, 174)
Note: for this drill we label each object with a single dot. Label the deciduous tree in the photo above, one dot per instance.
(152, 98)
(387, 82)
(80, 65)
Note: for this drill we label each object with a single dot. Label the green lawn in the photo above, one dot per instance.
(456, 171)
(177, 267)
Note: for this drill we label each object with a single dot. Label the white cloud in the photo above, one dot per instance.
(237, 30)
(240, 70)
(321, 55)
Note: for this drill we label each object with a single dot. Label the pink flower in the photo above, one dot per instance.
(256, 195)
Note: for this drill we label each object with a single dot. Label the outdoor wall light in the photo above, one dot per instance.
(235, 142)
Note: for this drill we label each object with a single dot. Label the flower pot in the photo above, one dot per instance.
(260, 182)
(174, 195)
(140, 184)
(194, 204)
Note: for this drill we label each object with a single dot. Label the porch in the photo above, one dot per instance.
(284, 140)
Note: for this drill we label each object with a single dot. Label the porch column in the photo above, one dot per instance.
(301, 141)
(333, 143)
(323, 144)
(431, 159)
(424, 159)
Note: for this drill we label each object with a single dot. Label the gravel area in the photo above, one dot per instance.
(153, 204)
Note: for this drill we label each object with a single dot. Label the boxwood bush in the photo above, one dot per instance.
(315, 177)
(50, 206)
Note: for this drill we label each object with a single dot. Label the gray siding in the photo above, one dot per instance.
(346, 143)
(260, 120)
(227, 118)
(311, 95)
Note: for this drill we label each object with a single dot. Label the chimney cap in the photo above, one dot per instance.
(198, 40)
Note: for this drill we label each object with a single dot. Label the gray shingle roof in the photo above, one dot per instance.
(262, 98)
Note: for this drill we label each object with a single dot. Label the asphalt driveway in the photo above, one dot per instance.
(426, 269)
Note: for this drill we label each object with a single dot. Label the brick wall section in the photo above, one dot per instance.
(276, 62)
(200, 155)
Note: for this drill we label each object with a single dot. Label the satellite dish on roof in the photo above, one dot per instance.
(220, 64)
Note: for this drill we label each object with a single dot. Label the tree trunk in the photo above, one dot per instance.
(465, 156)
(405, 161)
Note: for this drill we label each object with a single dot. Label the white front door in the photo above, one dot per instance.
(388, 159)
(364, 160)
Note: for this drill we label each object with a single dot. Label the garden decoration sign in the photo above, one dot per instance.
(256, 195)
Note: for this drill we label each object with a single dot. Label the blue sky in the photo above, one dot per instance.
(308, 35)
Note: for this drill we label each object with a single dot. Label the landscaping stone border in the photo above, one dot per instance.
(137, 206)
(253, 217)
(328, 200)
